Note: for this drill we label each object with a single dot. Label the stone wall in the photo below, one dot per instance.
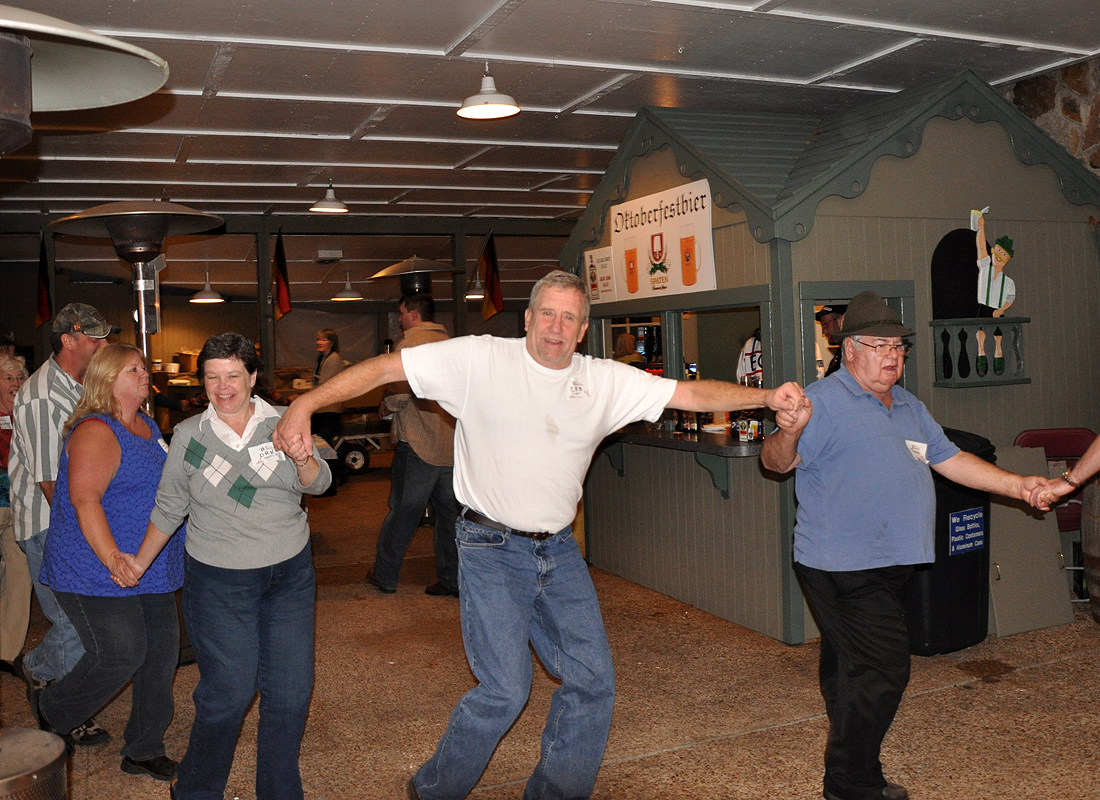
(1066, 104)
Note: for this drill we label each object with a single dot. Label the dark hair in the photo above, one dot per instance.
(332, 336)
(230, 345)
(55, 342)
(422, 304)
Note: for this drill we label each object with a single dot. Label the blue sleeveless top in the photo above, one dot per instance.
(70, 565)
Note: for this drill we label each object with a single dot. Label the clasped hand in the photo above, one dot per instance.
(125, 570)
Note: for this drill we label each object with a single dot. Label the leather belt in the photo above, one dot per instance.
(478, 518)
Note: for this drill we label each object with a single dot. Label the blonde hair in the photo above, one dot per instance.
(625, 344)
(99, 383)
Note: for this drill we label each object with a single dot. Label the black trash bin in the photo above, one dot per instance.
(947, 602)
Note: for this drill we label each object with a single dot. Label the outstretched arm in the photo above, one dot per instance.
(1082, 471)
(724, 396)
(969, 470)
(352, 382)
(983, 247)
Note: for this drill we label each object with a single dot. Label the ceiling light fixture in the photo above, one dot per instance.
(329, 204)
(207, 295)
(488, 103)
(477, 291)
(347, 293)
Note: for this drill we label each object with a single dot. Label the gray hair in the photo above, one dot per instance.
(16, 364)
(557, 279)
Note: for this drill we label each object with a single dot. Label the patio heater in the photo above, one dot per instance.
(138, 230)
(415, 274)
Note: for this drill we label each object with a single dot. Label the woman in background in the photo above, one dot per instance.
(326, 422)
(15, 578)
(106, 484)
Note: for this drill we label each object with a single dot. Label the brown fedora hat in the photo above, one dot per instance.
(868, 315)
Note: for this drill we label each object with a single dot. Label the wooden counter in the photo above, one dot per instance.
(696, 517)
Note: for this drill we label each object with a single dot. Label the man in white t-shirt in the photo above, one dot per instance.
(530, 413)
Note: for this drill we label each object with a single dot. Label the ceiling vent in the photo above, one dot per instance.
(329, 256)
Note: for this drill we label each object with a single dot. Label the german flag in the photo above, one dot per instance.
(43, 310)
(282, 282)
(490, 278)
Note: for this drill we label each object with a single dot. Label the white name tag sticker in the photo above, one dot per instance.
(264, 454)
(919, 450)
(164, 445)
(5, 424)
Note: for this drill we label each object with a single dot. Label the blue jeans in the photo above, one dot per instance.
(414, 482)
(514, 591)
(125, 638)
(252, 631)
(60, 648)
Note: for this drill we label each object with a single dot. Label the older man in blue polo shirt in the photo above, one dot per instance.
(862, 447)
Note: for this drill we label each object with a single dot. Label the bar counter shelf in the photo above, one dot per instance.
(712, 451)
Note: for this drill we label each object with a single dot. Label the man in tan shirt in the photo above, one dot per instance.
(423, 466)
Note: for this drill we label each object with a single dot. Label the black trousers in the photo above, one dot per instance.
(864, 669)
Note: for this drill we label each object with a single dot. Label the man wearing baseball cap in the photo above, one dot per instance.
(41, 409)
(863, 449)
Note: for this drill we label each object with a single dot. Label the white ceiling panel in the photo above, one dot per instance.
(269, 101)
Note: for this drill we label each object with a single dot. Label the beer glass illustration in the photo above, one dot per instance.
(630, 256)
(688, 264)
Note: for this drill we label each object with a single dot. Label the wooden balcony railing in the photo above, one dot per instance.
(980, 351)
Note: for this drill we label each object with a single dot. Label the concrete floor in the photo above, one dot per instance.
(705, 709)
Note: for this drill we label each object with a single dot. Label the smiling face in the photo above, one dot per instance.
(555, 326)
(9, 385)
(131, 387)
(1000, 257)
(229, 385)
(324, 346)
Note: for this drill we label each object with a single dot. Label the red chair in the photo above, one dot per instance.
(1062, 445)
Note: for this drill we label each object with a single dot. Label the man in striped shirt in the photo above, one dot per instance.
(41, 409)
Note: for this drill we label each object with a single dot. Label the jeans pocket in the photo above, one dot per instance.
(471, 534)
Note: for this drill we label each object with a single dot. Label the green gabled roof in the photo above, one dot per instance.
(757, 151)
(779, 167)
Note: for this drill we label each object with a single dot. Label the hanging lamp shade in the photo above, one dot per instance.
(206, 294)
(488, 103)
(329, 204)
(347, 293)
(72, 68)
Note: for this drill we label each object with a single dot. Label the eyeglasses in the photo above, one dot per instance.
(885, 349)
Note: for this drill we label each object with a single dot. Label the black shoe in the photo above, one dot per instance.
(438, 589)
(377, 584)
(892, 791)
(89, 733)
(161, 768)
(410, 788)
(8, 667)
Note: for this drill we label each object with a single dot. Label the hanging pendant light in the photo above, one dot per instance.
(207, 295)
(347, 293)
(329, 204)
(488, 103)
(477, 291)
